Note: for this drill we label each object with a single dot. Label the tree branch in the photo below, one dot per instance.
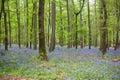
(76, 13)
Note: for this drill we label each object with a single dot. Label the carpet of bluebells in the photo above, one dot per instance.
(63, 64)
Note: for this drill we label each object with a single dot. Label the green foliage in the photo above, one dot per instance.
(74, 7)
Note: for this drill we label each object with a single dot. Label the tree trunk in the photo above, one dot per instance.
(0, 33)
(18, 20)
(95, 22)
(31, 31)
(9, 24)
(52, 45)
(5, 24)
(103, 27)
(117, 26)
(61, 27)
(27, 22)
(49, 25)
(81, 25)
(76, 35)
(42, 49)
(68, 19)
(1, 10)
(35, 24)
(89, 26)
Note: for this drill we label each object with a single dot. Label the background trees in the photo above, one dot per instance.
(97, 25)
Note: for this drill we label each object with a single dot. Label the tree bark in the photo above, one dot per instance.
(61, 27)
(95, 22)
(52, 45)
(117, 26)
(0, 33)
(68, 19)
(6, 27)
(35, 24)
(9, 24)
(1, 10)
(18, 20)
(76, 35)
(89, 26)
(49, 24)
(81, 25)
(42, 49)
(27, 23)
(31, 31)
(103, 27)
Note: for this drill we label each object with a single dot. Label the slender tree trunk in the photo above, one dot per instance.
(18, 20)
(31, 31)
(9, 24)
(61, 27)
(113, 41)
(35, 24)
(0, 33)
(117, 26)
(110, 38)
(6, 27)
(24, 28)
(89, 26)
(31, 35)
(76, 35)
(72, 24)
(1, 10)
(95, 22)
(52, 45)
(49, 24)
(42, 50)
(81, 25)
(68, 16)
(0, 20)
(27, 22)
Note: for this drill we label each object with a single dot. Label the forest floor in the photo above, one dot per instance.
(63, 64)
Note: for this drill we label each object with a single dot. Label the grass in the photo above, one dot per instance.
(28, 66)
